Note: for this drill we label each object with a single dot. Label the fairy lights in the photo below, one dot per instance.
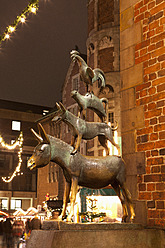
(22, 19)
(18, 142)
(31, 8)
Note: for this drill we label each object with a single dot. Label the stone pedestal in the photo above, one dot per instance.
(56, 234)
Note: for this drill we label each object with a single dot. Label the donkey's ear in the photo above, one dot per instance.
(43, 134)
(37, 136)
(58, 106)
(62, 107)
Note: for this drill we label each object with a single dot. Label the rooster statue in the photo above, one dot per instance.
(87, 75)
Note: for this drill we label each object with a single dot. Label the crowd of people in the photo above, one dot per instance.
(12, 230)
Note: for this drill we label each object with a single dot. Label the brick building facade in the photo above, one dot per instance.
(142, 105)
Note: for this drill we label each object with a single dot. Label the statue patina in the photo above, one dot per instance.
(87, 74)
(79, 170)
(91, 172)
(82, 129)
(92, 102)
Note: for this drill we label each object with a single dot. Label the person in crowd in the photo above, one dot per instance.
(28, 226)
(28, 229)
(8, 233)
(18, 229)
(1, 227)
(36, 223)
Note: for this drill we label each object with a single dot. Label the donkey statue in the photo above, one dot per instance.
(85, 171)
(85, 130)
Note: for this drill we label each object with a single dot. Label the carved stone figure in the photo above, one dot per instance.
(87, 75)
(90, 101)
(81, 170)
(85, 130)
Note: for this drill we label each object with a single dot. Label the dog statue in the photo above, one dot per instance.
(85, 130)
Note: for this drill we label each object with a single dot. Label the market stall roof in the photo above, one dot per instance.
(30, 212)
(3, 214)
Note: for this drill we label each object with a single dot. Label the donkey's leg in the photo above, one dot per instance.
(77, 144)
(73, 140)
(103, 141)
(127, 195)
(73, 197)
(65, 200)
(84, 114)
(120, 195)
(79, 112)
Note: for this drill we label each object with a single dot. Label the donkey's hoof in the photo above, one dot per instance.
(73, 152)
(69, 219)
(132, 218)
(124, 219)
(60, 217)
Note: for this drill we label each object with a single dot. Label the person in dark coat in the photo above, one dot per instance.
(8, 233)
(18, 230)
(35, 223)
(28, 226)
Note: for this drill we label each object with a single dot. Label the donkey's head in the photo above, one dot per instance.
(59, 115)
(42, 152)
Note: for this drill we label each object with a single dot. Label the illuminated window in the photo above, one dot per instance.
(111, 117)
(4, 204)
(45, 112)
(16, 125)
(15, 204)
(75, 82)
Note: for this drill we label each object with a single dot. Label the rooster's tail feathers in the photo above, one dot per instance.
(99, 75)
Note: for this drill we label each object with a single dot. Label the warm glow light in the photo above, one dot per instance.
(7, 36)
(116, 141)
(104, 153)
(33, 10)
(22, 19)
(110, 205)
(19, 143)
(11, 29)
(31, 209)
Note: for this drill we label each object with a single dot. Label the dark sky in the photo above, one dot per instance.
(34, 62)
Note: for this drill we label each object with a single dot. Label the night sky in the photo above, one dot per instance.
(34, 62)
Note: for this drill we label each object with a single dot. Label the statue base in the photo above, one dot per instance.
(58, 234)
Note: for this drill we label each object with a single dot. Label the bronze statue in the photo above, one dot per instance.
(81, 170)
(87, 75)
(90, 101)
(85, 130)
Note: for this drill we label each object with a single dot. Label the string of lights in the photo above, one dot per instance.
(31, 8)
(18, 142)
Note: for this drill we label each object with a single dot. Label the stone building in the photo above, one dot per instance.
(21, 191)
(103, 51)
(142, 106)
